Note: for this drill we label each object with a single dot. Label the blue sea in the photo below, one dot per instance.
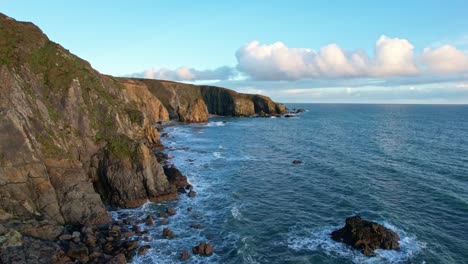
(404, 166)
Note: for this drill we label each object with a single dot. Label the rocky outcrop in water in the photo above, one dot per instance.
(366, 236)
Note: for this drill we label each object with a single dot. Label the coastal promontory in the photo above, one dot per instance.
(74, 142)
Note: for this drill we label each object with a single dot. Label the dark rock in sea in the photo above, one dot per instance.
(197, 226)
(131, 245)
(298, 111)
(149, 220)
(189, 187)
(129, 220)
(174, 176)
(366, 236)
(164, 222)
(165, 135)
(171, 211)
(288, 115)
(163, 215)
(143, 249)
(189, 209)
(192, 194)
(136, 229)
(278, 116)
(167, 233)
(297, 161)
(181, 190)
(185, 255)
(203, 249)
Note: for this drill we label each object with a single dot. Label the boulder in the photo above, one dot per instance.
(143, 250)
(131, 245)
(174, 176)
(79, 252)
(170, 211)
(203, 249)
(163, 215)
(118, 259)
(185, 255)
(167, 233)
(192, 194)
(197, 226)
(296, 161)
(149, 220)
(366, 236)
(136, 229)
(128, 234)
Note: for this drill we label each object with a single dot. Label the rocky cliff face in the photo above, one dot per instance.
(73, 141)
(192, 103)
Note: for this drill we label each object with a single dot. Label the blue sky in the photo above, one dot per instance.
(293, 51)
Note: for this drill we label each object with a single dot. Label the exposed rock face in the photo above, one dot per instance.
(188, 102)
(196, 112)
(366, 236)
(134, 180)
(73, 141)
(71, 138)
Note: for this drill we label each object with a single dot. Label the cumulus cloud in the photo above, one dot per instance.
(445, 59)
(187, 74)
(393, 57)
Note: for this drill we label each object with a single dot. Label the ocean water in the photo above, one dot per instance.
(405, 166)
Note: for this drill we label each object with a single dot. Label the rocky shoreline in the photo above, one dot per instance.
(74, 142)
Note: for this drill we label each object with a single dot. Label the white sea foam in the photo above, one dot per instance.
(216, 124)
(236, 213)
(320, 240)
(217, 154)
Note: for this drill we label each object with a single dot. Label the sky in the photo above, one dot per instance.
(293, 51)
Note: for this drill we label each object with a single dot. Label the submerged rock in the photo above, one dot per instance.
(149, 220)
(366, 236)
(167, 233)
(185, 255)
(143, 250)
(170, 211)
(203, 249)
(297, 161)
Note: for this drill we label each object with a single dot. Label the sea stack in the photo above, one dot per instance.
(366, 236)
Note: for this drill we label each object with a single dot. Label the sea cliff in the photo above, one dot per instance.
(74, 142)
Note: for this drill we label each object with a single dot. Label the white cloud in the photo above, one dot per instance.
(393, 57)
(445, 59)
(186, 74)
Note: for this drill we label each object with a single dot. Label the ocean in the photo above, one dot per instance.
(404, 166)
